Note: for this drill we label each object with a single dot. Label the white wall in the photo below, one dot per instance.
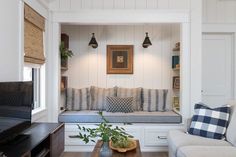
(75, 5)
(219, 11)
(10, 34)
(152, 66)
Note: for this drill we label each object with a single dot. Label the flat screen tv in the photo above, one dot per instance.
(16, 102)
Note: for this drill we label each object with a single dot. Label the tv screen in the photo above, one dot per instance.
(16, 101)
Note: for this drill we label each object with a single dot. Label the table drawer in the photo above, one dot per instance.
(155, 138)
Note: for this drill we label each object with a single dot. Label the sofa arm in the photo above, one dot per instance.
(188, 123)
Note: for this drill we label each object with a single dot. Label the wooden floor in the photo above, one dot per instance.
(145, 154)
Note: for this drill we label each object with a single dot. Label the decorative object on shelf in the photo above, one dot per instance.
(65, 54)
(119, 59)
(93, 43)
(177, 47)
(175, 62)
(176, 82)
(64, 51)
(146, 42)
(64, 80)
(176, 103)
(105, 131)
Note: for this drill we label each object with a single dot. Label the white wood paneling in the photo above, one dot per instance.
(76, 5)
(163, 4)
(219, 11)
(152, 4)
(64, 5)
(119, 4)
(108, 4)
(152, 66)
(130, 4)
(86, 4)
(141, 4)
(98, 4)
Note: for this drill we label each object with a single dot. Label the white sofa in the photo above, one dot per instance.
(182, 144)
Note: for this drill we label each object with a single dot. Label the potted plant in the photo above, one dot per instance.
(65, 54)
(114, 136)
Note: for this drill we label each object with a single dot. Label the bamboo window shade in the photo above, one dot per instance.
(34, 26)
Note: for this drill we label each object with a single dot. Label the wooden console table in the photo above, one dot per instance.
(42, 140)
(133, 153)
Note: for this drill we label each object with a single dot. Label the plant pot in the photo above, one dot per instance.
(105, 150)
(64, 64)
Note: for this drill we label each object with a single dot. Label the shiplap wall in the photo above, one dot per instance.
(152, 66)
(75, 5)
(219, 11)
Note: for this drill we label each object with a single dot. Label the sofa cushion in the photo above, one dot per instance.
(77, 99)
(116, 104)
(118, 117)
(132, 92)
(98, 97)
(206, 151)
(154, 99)
(230, 134)
(177, 139)
(208, 122)
(85, 116)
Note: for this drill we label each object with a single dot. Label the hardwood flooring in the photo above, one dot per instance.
(86, 154)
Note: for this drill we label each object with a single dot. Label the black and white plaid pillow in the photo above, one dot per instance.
(117, 104)
(208, 122)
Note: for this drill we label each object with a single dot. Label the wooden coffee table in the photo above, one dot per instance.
(133, 153)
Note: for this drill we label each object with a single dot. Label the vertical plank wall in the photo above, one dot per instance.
(152, 66)
(219, 11)
(75, 5)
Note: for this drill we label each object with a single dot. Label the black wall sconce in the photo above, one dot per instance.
(93, 43)
(146, 42)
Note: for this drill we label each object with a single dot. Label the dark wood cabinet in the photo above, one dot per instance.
(57, 137)
(43, 140)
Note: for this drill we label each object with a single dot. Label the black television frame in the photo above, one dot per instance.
(11, 133)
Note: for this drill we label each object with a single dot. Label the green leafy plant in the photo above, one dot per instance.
(106, 132)
(65, 52)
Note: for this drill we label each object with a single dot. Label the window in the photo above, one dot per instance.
(36, 74)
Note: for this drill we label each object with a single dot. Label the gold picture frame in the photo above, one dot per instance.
(120, 59)
(176, 82)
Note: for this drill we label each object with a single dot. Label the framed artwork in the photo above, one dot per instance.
(119, 59)
(176, 103)
(176, 82)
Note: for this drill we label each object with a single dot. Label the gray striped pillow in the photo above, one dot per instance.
(77, 99)
(132, 92)
(154, 99)
(98, 97)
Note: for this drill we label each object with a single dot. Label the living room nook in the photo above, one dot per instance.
(120, 69)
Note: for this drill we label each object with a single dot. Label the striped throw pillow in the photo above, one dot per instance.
(98, 97)
(208, 122)
(77, 99)
(116, 104)
(136, 93)
(154, 100)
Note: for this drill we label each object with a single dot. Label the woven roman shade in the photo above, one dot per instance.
(34, 26)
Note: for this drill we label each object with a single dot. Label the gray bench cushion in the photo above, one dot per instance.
(134, 117)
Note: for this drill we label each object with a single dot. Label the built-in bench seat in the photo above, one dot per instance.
(89, 116)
